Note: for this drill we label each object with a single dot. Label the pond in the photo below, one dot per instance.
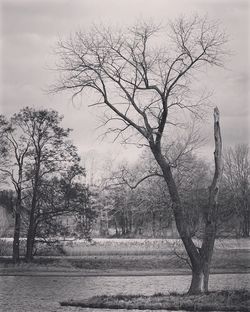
(43, 293)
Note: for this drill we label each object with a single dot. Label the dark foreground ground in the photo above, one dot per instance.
(237, 300)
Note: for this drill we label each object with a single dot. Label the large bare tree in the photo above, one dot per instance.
(144, 88)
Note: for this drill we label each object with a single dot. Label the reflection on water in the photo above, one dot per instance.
(42, 294)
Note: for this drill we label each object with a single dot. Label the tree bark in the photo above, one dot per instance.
(30, 243)
(197, 282)
(246, 222)
(32, 227)
(16, 240)
(17, 228)
(153, 224)
(31, 232)
(212, 213)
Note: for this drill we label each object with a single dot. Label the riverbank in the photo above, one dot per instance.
(233, 300)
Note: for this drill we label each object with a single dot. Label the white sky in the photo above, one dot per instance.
(31, 28)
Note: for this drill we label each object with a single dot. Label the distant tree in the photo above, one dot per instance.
(50, 152)
(193, 177)
(4, 153)
(237, 181)
(14, 152)
(103, 203)
(64, 197)
(144, 89)
(140, 192)
(38, 155)
(139, 208)
(7, 199)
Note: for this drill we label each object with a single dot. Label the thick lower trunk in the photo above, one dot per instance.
(246, 224)
(32, 221)
(206, 272)
(153, 224)
(17, 228)
(197, 282)
(30, 244)
(31, 239)
(16, 239)
(31, 235)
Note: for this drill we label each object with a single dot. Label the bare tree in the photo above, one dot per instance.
(62, 198)
(14, 147)
(237, 180)
(144, 89)
(50, 153)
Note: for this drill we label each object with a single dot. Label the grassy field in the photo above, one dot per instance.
(114, 255)
(123, 247)
(117, 247)
(101, 247)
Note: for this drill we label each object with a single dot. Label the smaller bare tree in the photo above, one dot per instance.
(237, 180)
(14, 146)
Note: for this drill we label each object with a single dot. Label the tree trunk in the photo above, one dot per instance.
(16, 240)
(197, 282)
(116, 229)
(17, 227)
(153, 224)
(31, 230)
(212, 213)
(30, 243)
(246, 222)
(32, 227)
(130, 222)
(181, 225)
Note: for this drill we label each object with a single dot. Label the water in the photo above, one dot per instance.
(43, 293)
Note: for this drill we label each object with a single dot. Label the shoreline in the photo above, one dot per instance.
(112, 273)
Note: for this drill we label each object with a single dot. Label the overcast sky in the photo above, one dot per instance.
(31, 28)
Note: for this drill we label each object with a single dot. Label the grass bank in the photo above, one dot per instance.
(117, 247)
(223, 261)
(236, 300)
(125, 255)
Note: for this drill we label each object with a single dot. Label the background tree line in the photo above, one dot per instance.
(131, 209)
